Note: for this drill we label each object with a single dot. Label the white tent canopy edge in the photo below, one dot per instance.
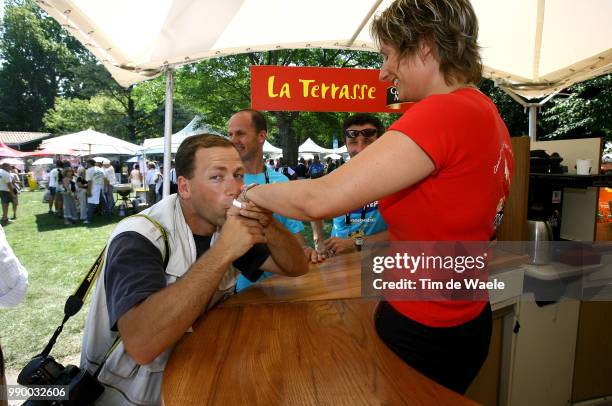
(531, 47)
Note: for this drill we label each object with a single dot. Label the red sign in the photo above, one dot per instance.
(293, 88)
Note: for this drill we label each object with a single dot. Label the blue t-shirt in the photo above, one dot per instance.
(316, 169)
(294, 226)
(365, 219)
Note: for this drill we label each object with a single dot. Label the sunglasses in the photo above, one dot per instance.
(367, 133)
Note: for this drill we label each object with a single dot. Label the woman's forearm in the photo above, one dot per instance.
(297, 199)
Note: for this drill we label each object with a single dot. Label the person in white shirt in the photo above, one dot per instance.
(95, 186)
(109, 172)
(13, 287)
(54, 182)
(151, 178)
(6, 191)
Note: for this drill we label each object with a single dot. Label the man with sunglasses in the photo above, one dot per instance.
(350, 230)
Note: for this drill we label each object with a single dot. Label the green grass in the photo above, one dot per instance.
(57, 258)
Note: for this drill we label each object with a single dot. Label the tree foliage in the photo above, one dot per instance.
(36, 55)
(101, 113)
(586, 112)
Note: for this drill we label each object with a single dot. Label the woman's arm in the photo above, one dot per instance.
(389, 165)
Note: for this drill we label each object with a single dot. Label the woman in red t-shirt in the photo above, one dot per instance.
(452, 142)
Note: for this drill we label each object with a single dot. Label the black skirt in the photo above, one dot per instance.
(451, 356)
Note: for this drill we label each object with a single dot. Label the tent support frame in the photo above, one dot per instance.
(169, 72)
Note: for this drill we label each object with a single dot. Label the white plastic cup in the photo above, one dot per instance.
(583, 166)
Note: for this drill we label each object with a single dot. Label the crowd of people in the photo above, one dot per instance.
(76, 194)
(305, 168)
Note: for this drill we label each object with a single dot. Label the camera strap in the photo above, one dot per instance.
(75, 301)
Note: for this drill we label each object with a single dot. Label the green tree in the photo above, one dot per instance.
(36, 55)
(585, 112)
(101, 113)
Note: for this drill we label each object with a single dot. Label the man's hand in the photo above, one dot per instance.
(336, 245)
(239, 234)
(313, 256)
(253, 212)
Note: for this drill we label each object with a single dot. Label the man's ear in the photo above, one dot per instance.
(184, 187)
(263, 135)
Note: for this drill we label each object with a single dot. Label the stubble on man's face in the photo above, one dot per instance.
(217, 178)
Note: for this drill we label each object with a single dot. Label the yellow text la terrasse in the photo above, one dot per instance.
(323, 90)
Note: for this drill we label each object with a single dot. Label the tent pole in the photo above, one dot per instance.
(168, 131)
(533, 116)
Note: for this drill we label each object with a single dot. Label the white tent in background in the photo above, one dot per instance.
(271, 149)
(18, 162)
(332, 156)
(90, 142)
(43, 161)
(310, 146)
(101, 159)
(341, 150)
(156, 145)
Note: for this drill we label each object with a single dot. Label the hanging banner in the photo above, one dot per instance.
(296, 88)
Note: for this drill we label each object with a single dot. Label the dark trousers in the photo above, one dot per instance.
(151, 195)
(451, 356)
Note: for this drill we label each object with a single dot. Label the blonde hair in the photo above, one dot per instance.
(450, 26)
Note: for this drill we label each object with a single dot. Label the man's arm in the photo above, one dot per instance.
(159, 321)
(286, 254)
(337, 245)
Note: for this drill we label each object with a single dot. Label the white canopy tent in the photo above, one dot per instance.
(90, 142)
(156, 145)
(310, 146)
(332, 156)
(531, 48)
(18, 162)
(271, 149)
(43, 161)
(341, 150)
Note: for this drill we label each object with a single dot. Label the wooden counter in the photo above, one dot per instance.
(295, 341)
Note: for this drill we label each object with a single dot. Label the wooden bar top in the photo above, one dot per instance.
(296, 341)
(337, 278)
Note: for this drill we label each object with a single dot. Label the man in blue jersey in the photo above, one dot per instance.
(248, 130)
(350, 230)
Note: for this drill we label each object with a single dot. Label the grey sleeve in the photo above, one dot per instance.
(134, 271)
